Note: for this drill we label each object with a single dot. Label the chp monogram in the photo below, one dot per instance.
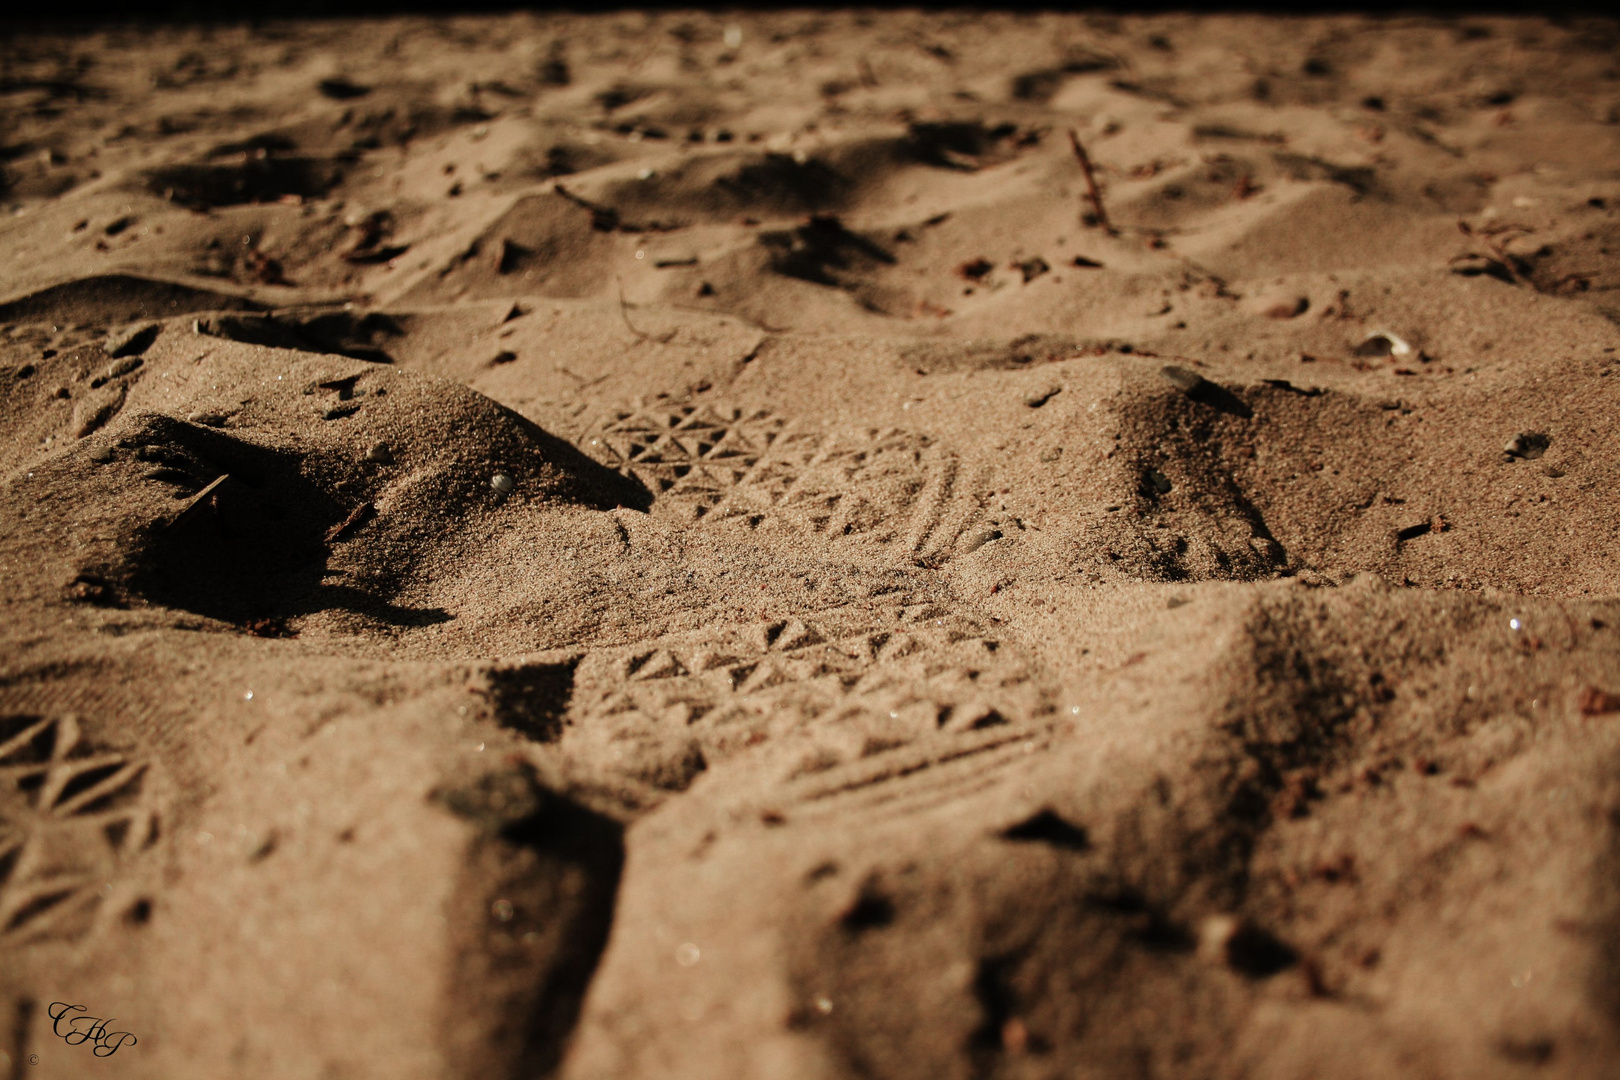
(83, 1029)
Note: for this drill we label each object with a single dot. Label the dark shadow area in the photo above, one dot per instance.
(1289, 388)
(22, 1024)
(359, 602)
(592, 847)
(1145, 924)
(781, 183)
(870, 912)
(258, 177)
(533, 909)
(602, 488)
(342, 333)
(1040, 85)
(115, 298)
(532, 699)
(998, 1003)
(1258, 954)
(250, 545)
(823, 251)
(955, 144)
(1201, 390)
(1047, 828)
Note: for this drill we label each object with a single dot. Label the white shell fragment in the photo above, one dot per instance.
(502, 484)
(1384, 343)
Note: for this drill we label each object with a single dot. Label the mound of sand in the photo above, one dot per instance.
(811, 545)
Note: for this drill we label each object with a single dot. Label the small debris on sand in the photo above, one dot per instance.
(1032, 268)
(1279, 305)
(1482, 266)
(1384, 343)
(975, 269)
(1595, 702)
(131, 340)
(1182, 378)
(978, 540)
(349, 525)
(1527, 445)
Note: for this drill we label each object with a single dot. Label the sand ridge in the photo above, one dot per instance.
(812, 545)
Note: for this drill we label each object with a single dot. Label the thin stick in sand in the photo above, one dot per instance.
(641, 335)
(1092, 193)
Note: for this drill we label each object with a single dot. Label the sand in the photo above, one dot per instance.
(686, 546)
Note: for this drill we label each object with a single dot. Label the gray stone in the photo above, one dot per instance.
(1181, 378)
(980, 539)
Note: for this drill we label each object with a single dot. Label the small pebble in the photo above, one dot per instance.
(380, 453)
(502, 484)
(102, 456)
(1182, 379)
(1032, 268)
(981, 539)
(1528, 445)
(1279, 305)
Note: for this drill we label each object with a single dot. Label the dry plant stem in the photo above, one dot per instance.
(641, 335)
(1094, 195)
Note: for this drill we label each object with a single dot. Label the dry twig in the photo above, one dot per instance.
(641, 335)
(1092, 193)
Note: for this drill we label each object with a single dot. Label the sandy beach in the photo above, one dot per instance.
(806, 545)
